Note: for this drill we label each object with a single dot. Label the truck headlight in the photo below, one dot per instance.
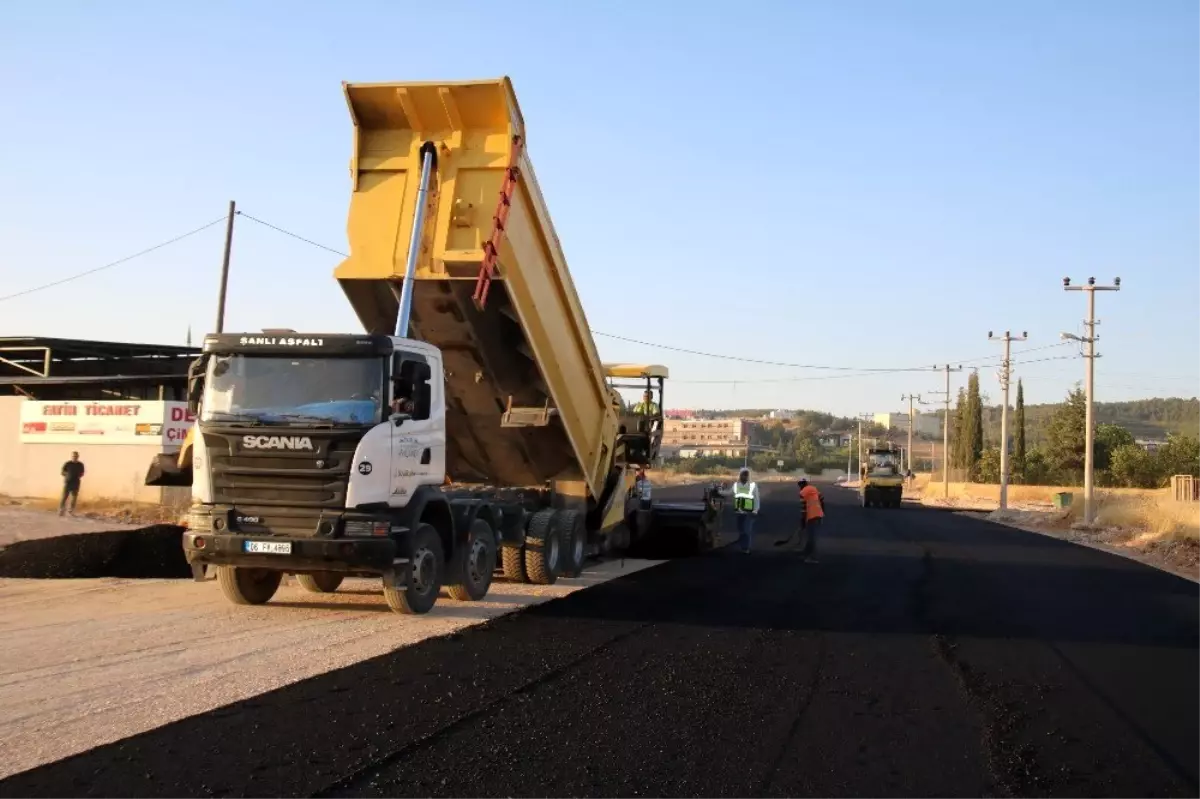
(198, 521)
(366, 527)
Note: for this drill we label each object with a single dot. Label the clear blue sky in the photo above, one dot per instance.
(858, 184)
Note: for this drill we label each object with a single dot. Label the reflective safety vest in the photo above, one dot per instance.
(743, 497)
(646, 408)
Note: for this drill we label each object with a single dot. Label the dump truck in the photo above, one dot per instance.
(470, 429)
(882, 482)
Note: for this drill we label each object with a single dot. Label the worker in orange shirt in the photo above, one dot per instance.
(814, 514)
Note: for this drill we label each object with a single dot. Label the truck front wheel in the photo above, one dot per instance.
(245, 586)
(320, 582)
(427, 564)
(474, 561)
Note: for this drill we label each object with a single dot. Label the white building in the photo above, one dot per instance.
(928, 424)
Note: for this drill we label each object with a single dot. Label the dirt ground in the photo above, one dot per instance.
(19, 522)
(88, 662)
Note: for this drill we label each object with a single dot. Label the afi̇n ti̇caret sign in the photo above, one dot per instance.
(162, 424)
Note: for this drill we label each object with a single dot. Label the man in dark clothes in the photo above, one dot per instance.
(72, 474)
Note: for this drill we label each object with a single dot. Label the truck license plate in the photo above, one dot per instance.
(270, 547)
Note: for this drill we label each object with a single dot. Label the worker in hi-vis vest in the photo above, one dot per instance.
(647, 407)
(745, 508)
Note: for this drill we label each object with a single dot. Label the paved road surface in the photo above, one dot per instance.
(926, 654)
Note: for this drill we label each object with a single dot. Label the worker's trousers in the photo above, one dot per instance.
(71, 491)
(811, 527)
(745, 530)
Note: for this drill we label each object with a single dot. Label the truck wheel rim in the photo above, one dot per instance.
(552, 553)
(476, 565)
(423, 570)
(577, 549)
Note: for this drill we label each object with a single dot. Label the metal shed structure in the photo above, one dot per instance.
(61, 369)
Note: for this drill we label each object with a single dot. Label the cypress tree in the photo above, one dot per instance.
(1018, 466)
(976, 405)
(958, 457)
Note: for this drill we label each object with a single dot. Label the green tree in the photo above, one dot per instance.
(1109, 437)
(958, 432)
(988, 469)
(808, 452)
(1037, 468)
(1134, 467)
(1018, 465)
(1065, 438)
(1180, 455)
(975, 402)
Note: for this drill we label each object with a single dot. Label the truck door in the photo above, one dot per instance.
(419, 442)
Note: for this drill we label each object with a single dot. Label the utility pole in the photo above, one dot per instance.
(1005, 374)
(861, 418)
(912, 421)
(1089, 420)
(946, 429)
(850, 458)
(225, 267)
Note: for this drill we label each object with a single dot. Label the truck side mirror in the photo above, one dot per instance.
(195, 385)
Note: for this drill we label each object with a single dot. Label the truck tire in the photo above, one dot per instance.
(572, 533)
(320, 582)
(473, 563)
(512, 560)
(427, 565)
(543, 548)
(245, 586)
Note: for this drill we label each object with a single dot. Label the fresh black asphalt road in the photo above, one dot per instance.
(926, 654)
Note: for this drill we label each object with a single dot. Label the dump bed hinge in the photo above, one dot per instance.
(491, 247)
(527, 417)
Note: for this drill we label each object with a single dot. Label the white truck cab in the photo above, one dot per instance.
(323, 456)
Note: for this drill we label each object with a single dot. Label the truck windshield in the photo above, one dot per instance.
(293, 391)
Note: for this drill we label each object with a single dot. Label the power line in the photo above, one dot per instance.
(859, 374)
(850, 371)
(760, 362)
(117, 262)
(858, 371)
(296, 236)
(757, 361)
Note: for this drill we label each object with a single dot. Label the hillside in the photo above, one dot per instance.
(1151, 418)
(1148, 418)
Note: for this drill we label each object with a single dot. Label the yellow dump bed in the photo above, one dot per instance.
(527, 401)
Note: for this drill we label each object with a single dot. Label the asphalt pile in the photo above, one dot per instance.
(153, 552)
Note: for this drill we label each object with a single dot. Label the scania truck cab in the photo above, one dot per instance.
(323, 456)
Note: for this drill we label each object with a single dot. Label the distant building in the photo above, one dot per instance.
(928, 424)
(830, 439)
(689, 438)
(782, 415)
(1150, 444)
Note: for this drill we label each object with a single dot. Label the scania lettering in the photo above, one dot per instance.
(277, 442)
(470, 431)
